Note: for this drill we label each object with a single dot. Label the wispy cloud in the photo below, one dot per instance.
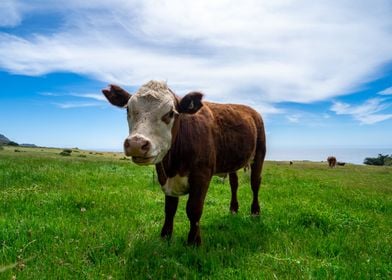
(366, 113)
(75, 102)
(50, 94)
(284, 51)
(304, 118)
(293, 118)
(94, 96)
(387, 91)
(72, 105)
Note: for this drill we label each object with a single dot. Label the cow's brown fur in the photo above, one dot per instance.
(219, 138)
(331, 161)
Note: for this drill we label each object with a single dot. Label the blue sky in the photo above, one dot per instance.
(320, 72)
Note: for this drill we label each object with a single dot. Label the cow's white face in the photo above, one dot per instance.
(151, 113)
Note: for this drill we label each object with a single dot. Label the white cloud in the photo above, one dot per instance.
(301, 51)
(387, 91)
(94, 96)
(293, 118)
(49, 94)
(366, 113)
(72, 105)
(10, 13)
(375, 118)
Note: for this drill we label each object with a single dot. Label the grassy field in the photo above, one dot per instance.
(93, 216)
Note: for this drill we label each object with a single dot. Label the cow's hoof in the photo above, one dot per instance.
(255, 210)
(234, 208)
(234, 211)
(255, 215)
(166, 237)
(166, 234)
(194, 241)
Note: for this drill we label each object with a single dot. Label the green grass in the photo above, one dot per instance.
(94, 216)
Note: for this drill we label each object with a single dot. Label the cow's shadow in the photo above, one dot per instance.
(228, 242)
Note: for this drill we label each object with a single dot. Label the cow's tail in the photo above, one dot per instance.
(257, 165)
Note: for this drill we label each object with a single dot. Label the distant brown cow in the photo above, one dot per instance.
(189, 141)
(331, 161)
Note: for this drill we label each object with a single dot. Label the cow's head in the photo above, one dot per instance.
(152, 114)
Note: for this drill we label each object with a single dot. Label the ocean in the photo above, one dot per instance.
(348, 155)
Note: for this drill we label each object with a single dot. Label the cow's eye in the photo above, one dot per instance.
(168, 116)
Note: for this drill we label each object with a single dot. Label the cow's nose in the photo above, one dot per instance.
(136, 146)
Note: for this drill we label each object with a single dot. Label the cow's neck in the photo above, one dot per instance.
(176, 160)
(166, 168)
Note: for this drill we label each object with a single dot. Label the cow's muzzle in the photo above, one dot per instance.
(138, 148)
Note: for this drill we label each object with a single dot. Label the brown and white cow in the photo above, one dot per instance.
(189, 140)
(331, 161)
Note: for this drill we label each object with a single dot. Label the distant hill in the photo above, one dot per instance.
(4, 140)
(28, 145)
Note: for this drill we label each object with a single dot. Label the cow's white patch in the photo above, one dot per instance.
(176, 186)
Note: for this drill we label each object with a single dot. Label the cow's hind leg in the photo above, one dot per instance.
(171, 204)
(255, 177)
(234, 187)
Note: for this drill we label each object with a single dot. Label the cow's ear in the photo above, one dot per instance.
(190, 103)
(116, 95)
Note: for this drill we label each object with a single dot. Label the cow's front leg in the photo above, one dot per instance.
(171, 204)
(194, 207)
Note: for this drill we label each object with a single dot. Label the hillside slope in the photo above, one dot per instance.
(4, 140)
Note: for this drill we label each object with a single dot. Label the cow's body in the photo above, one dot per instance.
(331, 161)
(207, 139)
(219, 138)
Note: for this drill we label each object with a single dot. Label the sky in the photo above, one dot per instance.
(319, 72)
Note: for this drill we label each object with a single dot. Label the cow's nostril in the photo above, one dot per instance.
(126, 144)
(146, 146)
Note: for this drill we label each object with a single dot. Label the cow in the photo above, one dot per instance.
(341, 163)
(189, 140)
(331, 161)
